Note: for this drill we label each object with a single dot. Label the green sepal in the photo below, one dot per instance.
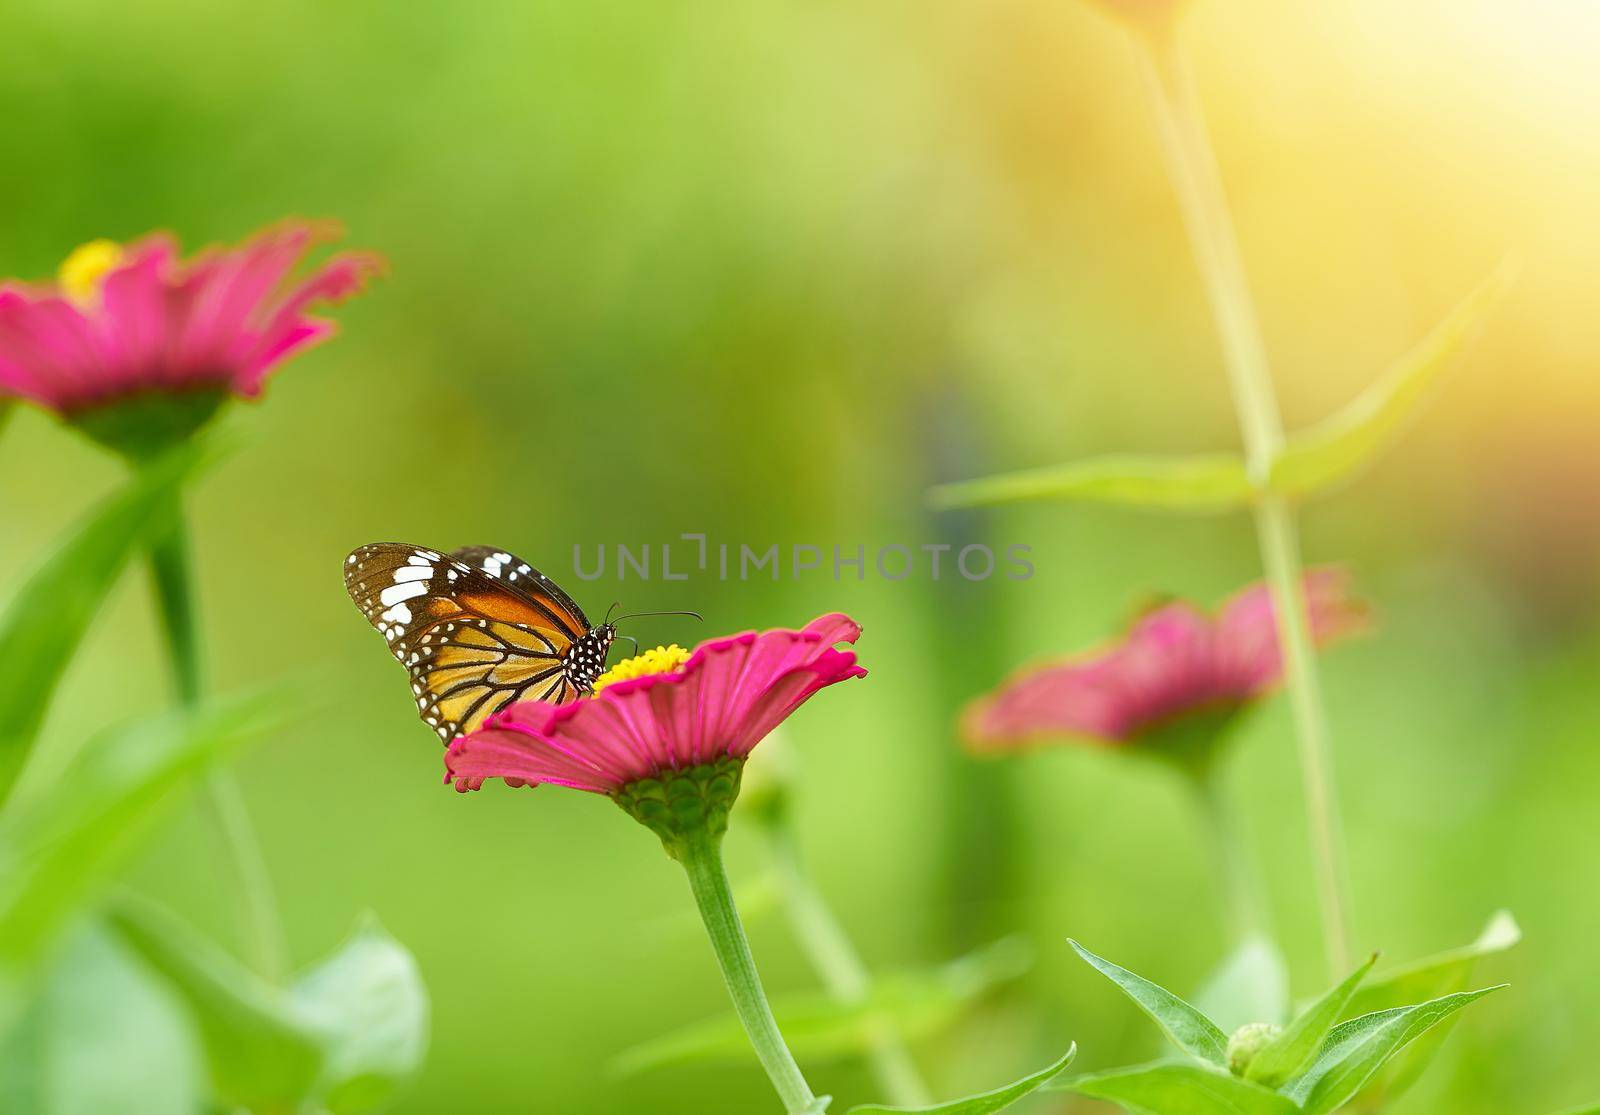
(684, 805)
(985, 1103)
(146, 424)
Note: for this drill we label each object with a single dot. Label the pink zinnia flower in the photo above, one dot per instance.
(666, 733)
(1172, 684)
(164, 341)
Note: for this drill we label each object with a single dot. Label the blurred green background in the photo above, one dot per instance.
(766, 271)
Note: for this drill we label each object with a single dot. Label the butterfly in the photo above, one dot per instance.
(476, 629)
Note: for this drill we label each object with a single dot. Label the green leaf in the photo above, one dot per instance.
(1357, 1049)
(99, 1038)
(1190, 1030)
(1593, 1110)
(51, 610)
(345, 1036)
(56, 850)
(1176, 1088)
(1429, 978)
(1202, 483)
(997, 1100)
(368, 1001)
(1293, 1051)
(818, 1026)
(1335, 450)
(260, 1054)
(1438, 974)
(1252, 985)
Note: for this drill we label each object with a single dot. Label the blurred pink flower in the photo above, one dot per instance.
(705, 713)
(1143, 11)
(124, 324)
(1173, 682)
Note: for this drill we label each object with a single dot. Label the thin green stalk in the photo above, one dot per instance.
(835, 959)
(175, 597)
(1193, 168)
(1235, 866)
(702, 862)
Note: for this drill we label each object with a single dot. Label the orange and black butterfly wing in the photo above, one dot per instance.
(510, 570)
(471, 642)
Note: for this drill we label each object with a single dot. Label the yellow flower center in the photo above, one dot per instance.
(659, 660)
(80, 273)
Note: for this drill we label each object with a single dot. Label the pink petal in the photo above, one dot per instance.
(288, 330)
(134, 316)
(1248, 629)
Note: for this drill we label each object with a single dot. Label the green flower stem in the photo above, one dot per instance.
(174, 589)
(1235, 866)
(702, 860)
(835, 959)
(1193, 168)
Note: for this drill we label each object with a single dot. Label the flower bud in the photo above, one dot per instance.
(1247, 1041)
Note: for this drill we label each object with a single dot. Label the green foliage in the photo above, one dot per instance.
(1202, 483)
(1313, 461)
(1178, 1088)
(1311, 1066)
(1190, 1030)
(53, 608)
(996, 1100)
(57, 849)
(1428, 978)
(1336, 449)
(1438, 974)
(1357, 1049)
(818, 1026)
(368, 1002)
(344, 1036)
(1292, 1052)
(1252, 985)
(99, 1038)
(259, 1052)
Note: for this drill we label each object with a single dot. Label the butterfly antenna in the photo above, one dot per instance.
(615, 604)
(636, 615)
